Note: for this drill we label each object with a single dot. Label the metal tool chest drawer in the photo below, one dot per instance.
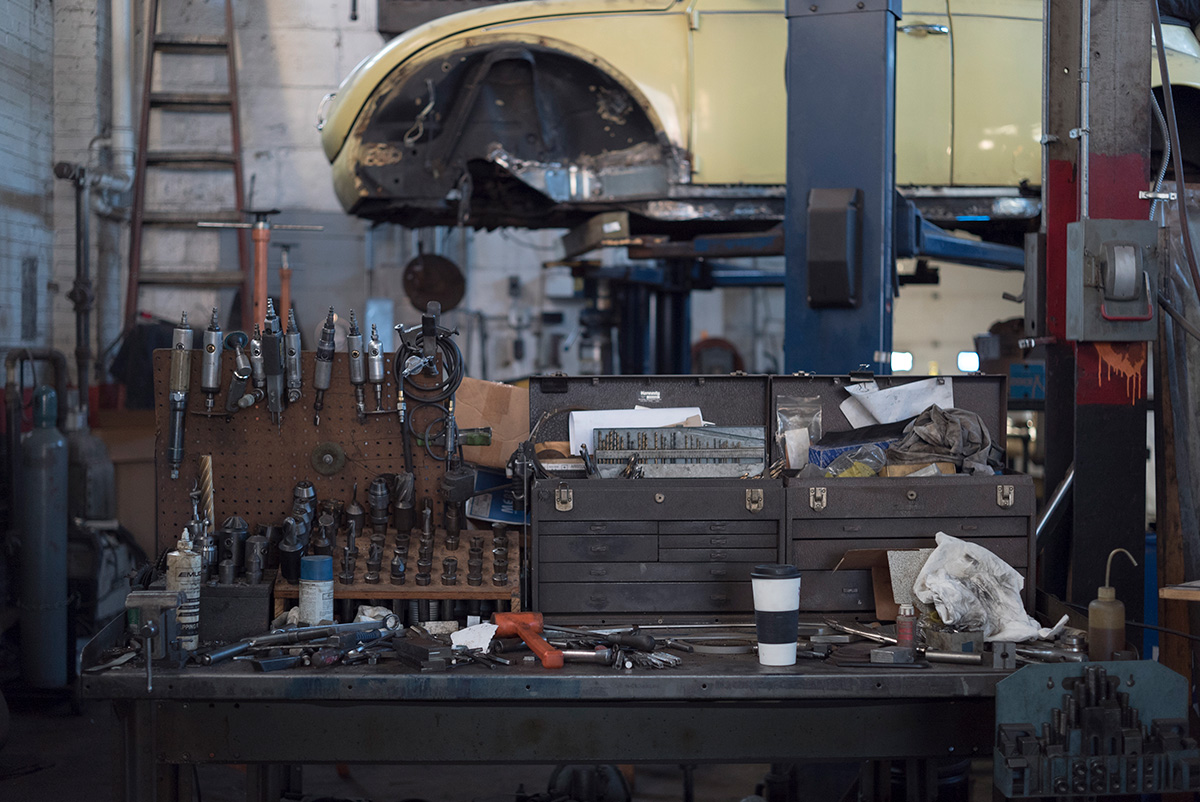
(668, 545)
(828, 517)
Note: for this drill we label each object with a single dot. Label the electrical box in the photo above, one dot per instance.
(1112, 280)
(834, 247)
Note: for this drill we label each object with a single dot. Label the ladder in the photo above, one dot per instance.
(150, 158)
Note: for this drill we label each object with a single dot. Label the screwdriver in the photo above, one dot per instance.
(375, 366)
(291, 365)
(272, 351)
(358, 374)
(181, 379)
(641, 641)
(323, 366)
(210, 362)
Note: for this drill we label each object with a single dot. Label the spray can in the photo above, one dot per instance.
(42, 516)
(316, 589)
(184, 574)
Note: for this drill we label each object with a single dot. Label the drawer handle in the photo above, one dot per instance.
(970, 528)
(596, 600)
(719, 599)
(718, 541)
(719, 571)
(717, 526)
(598, 527)
(597, 549)
(598, 572)
(851, 528)
(718, 555)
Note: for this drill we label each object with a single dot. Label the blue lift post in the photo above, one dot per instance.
(841, 135)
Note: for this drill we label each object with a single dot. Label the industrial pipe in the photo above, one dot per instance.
(120, 140)
(81, 294)
(1050, 513)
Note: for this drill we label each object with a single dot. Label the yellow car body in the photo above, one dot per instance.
(545, 112)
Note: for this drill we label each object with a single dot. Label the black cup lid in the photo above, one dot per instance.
(775, 571)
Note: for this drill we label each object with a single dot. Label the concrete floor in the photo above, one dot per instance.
(53, 754)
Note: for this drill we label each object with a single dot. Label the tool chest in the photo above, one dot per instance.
(653, 545)
(668, 546)
(828, 517)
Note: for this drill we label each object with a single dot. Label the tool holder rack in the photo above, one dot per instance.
(256, 463)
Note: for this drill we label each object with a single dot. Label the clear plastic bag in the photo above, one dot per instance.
(865, 460)
(798, 426)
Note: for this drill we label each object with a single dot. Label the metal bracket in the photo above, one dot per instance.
(1006, 495)
(564, 498)
(754, 499)
(1160, 196)
(816, 498)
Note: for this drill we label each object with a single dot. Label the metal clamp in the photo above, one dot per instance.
(1006, 495)
(754, 499)
(564, 498)
(817, 498)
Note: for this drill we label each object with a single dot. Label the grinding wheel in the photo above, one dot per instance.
(328, 458)
(429, 277)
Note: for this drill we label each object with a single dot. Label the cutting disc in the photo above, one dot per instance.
(328, 458)
(429, 277)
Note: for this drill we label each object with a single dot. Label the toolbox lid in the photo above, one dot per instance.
(317, 568)
(774, 571)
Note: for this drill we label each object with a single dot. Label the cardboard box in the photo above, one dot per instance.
(502, 407)
(905, 562)
(896, 471)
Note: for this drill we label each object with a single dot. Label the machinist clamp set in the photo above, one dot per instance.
(638, 533)
(284, 458)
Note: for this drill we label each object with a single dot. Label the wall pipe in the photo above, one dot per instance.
(81, 294)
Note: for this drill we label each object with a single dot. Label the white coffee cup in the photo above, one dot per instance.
(776, 612)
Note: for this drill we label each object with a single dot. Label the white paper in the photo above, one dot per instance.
(796, 443)
(582, 425)
(856, 413)
(905, 400)
(475, 637)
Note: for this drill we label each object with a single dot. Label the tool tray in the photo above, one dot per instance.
(828, 517)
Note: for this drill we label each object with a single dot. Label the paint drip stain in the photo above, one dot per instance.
(1115, 362)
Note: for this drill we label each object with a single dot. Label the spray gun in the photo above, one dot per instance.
(210, 362)
(323, 366)
(257, 366)
(358, 373)
(239, 397)
(272, 350)
(291, 344)
(375, 366)
(181, 379)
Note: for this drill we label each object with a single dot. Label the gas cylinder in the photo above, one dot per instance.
(42, 524)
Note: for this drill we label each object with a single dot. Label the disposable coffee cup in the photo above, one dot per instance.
(776, 612)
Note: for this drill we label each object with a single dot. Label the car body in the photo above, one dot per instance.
(547, 112)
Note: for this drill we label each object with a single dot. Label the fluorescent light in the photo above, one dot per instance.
(901, 360)
(968, 361)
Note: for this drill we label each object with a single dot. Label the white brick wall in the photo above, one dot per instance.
(26, 129)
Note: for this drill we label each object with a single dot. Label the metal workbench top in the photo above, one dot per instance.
(700, 677)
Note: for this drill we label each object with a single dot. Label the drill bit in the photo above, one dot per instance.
(180, 382)
(323, 366)
(358, 373)
(291, 344)
(375, 366)
(210, 362)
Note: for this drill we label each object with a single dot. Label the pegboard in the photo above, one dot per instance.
(256, 463)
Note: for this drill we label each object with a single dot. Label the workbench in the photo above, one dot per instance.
(712, 709)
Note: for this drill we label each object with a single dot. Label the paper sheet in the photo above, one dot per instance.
(582, 425)
(475, 637)
(898, 403)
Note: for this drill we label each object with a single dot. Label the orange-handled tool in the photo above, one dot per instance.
(527, 626)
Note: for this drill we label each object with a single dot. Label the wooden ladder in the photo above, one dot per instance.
(149, 158)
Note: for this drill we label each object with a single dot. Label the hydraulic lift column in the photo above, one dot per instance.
(841, 79)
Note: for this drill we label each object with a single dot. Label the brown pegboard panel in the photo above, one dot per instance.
(257, 463)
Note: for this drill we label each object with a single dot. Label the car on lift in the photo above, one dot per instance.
(546, 113)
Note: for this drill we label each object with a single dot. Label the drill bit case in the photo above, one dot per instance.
(653, 545)
(685, 546)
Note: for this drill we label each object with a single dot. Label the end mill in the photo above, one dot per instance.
(291, 358)
(358, 368)
(375, 366)
(210, 362)
(323, 366)
(181, 379)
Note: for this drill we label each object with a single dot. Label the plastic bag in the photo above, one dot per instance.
(798, 426)
(865, 460)
(974, 590)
